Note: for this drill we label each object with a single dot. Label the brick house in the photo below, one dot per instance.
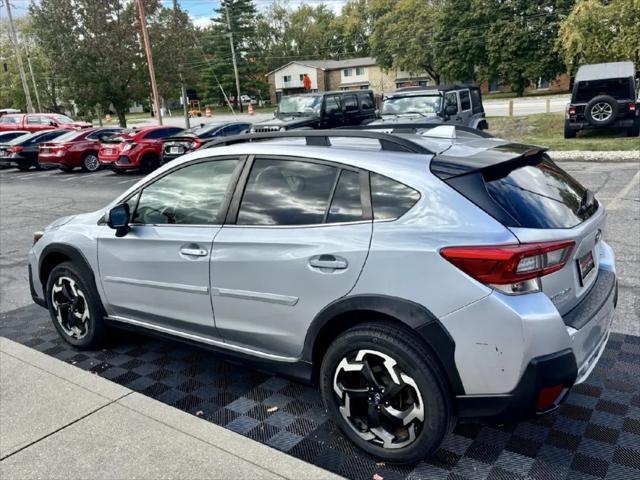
(352, 74)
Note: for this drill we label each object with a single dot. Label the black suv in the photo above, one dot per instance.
(321, 110)
(445, 104)
(604, 96)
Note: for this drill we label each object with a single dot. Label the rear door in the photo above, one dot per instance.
(159, 272)
(298, 242)
(351, 109)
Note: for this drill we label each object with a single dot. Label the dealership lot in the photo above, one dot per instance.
(596, 434)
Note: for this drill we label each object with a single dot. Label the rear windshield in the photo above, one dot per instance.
(542, 196)
(618, 88)
(69, 136)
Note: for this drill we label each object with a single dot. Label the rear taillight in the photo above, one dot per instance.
(15, 149)
(512, 269)
(128, 146)
(632, 107)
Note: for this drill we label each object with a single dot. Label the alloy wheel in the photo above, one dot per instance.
(381, 403)
(91, 162)
(601, 111)
(71, 309)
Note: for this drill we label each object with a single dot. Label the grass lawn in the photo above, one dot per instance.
(532, 94)
(548, 130)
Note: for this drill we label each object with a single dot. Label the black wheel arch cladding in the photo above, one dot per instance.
(349, 311)
(56, 253)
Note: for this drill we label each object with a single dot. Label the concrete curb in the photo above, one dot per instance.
(615, 156)
(113, 403)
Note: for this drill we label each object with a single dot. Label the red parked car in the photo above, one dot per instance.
(75, 149)
(139, 149)
(36, 122)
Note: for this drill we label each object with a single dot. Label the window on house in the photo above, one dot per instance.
(347, 72)
(359, 70)
(301, 76)
(286, 78)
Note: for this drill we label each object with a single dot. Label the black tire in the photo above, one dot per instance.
(569, 132)
(633, 131)
(149, 163)
(95, 331)
(596, 106)
(66, 169)
(24, 168)
(89, 162)
(412, 358)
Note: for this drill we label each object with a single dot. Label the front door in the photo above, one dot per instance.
(159, 271)
(299, 243)
(333, 112)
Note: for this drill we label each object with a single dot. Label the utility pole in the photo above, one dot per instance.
(33, 80)
(183, 88)
(23, 77)
(147, 49)
(233, 57)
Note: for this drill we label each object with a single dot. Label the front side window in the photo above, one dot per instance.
(451, 100)
(390, 199)
(333, 105)
(286, 192)
(300, 104)
(192, 195)
(8, 119)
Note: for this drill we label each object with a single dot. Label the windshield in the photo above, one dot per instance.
(62, 119)
(414, 104)
(300, 104)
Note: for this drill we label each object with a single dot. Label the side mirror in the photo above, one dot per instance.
(451, 110)
(118, 219)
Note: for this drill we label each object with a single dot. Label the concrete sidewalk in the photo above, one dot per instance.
(57, 421)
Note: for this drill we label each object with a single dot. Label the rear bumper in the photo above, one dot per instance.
(15, 161)
(620, 123)
(565, 368)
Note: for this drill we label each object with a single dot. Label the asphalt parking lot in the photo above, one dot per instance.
(596, 434)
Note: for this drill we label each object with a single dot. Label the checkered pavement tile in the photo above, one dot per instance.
(594, 435)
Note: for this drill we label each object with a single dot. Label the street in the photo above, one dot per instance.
(31, 200)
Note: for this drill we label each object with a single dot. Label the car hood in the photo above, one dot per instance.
(75, 125)
(287, 121)
(407, 119)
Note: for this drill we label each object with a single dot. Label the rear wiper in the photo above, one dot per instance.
(586, 201)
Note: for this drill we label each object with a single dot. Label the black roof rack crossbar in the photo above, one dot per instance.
(413, 127)
(388, 141)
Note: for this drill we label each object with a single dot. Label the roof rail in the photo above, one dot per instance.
(388, 141)
(414, 127)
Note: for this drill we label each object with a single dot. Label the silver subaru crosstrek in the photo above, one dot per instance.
(417, 277)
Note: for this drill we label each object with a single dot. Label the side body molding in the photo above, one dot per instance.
(413, 315)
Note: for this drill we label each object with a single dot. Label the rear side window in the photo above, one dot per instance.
(476, 100)
(346, 205)
(287, 192)
(465, 100)
(542, 196)
(366, 102)
(390, 199)
(350, 103)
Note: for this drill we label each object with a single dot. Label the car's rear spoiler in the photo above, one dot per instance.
(494, 162)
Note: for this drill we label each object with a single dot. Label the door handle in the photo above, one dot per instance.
(193, 251)
(328, 261)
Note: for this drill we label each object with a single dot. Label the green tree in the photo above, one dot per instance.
(520, 39)
(403, 35)
(96, 49)
(598, 31)
(353, 27)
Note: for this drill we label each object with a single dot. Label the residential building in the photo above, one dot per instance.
(352, 74)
